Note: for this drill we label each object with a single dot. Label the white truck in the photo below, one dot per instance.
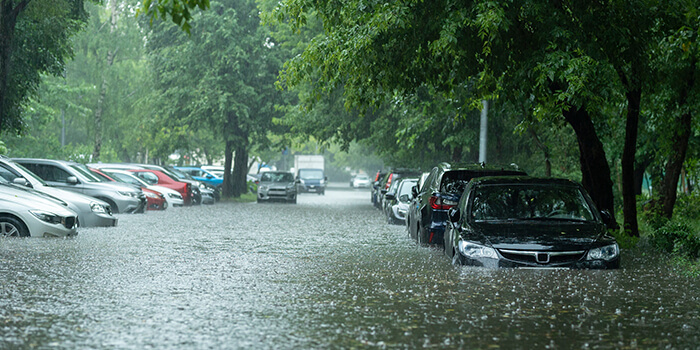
(309, 170)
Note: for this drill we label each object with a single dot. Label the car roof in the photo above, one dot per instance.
(523, 180)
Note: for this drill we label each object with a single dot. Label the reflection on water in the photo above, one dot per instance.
(327, 272)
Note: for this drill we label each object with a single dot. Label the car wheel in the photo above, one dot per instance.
(293, 201)
(11, 227)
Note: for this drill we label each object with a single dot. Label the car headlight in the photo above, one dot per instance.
(264, 188)
(150, 195)
(175, 195)
(608, 252)
(473, 250)
(129, 194)
(46, 216)
(98, 208)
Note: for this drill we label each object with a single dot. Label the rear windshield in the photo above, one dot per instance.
(455, 181)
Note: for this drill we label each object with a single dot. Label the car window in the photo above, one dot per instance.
(7, 174)
(148, 177)
(126, 178)
(511, 201)
(31, 174)
(49, 172)
(83, 170)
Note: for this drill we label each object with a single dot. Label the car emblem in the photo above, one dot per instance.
(542, 258)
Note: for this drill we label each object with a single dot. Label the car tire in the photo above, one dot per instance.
(12, 227)
(293, 201)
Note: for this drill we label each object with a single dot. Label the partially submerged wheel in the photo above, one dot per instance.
(11, 227)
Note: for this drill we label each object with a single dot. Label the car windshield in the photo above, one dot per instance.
(83, 170)
(311, 174)
(277, 177)
(128, 178)
(529, 202)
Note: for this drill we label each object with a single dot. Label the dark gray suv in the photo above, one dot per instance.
(76, 177)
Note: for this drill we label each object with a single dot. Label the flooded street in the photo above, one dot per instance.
(325, 273)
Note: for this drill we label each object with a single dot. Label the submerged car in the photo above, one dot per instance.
(72, 176)
(277, 186)
(172, 197)
(398, 201)
(440, 192)
(25, 212)
(91, 211)
(529, 222)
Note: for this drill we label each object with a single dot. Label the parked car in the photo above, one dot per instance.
(277, 186)
(441, 191)
(155, 177)
(389, 178)
(398, 201)
(172, 197)
(25, 213)
(202, 175)
(360, 181)
(193, 198)
(155, 200)
(375, 187)
(529, 222)
(76, 177)
(208, 194)
(91, 212)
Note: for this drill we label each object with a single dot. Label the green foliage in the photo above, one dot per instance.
(677, 237)
(179, 11)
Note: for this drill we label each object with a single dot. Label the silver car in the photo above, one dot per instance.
(76, 177)
(25, 213)
(92, 212)
(277, 185)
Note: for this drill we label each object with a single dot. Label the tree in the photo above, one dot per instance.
(34, 40)
(220, 77)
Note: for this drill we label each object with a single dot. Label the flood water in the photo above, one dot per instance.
(325, 273)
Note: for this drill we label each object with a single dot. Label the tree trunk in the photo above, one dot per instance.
(226, 188)
(594, 165)
(545, 151)
(674, 165)
(240, 169)
(629, 199)
(8, 22)
(97, 151)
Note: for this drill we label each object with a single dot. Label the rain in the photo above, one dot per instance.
(328, 272)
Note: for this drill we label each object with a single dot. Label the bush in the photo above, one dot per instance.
(677, 237)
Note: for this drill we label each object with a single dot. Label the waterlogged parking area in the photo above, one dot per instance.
(325, 273)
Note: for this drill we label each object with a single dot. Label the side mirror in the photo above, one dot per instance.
(607, 217)
(72, 180)
(383, 191)
(414, 191)
(209, 177)
(454, 215)
(390, 196)
(325, 178)
(21, 181)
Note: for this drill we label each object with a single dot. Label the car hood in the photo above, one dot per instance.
(541, 235)
(71, 197)
(15, 199)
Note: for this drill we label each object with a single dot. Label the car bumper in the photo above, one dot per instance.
(38, 228)
(508, 263)
(97, 220)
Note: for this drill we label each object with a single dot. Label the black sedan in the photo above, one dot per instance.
(529, 222)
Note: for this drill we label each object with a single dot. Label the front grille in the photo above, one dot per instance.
(542, 257)
(276, 192)
(69, 222)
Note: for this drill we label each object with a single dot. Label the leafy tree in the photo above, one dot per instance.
(34, 40)
(221, 77)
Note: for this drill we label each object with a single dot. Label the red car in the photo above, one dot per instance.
(154, 199)
(156, 177)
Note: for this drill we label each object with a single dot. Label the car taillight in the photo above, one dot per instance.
(440, 203)
(388, 182)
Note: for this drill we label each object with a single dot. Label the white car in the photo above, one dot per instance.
(25, 213)
(174, 198)
(361, 181)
